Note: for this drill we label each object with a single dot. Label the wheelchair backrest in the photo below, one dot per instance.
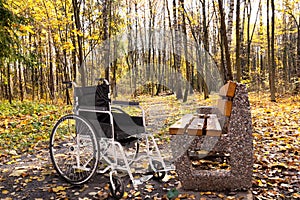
(93, 96)
(102, 96)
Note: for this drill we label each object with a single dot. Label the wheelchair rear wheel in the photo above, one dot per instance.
(74, 149)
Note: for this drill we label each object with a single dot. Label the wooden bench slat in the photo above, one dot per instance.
(213, 126)
(225, 107)
(228, 90)
(195, 128)
(180, 126)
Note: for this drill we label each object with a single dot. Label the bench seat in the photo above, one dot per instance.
(197, 125)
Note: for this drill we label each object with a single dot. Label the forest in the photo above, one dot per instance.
(158, 52)
(44, 43)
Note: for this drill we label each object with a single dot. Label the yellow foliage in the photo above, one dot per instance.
(68, 46)
(23, 28)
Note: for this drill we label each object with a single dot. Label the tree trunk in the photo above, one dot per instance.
(20, 81)
(51, 73)
(285, 54)
(269, 43)
(114, 70)
(9, 94)
(273, 64)
(230, 21)
(262, 47)
(204, 71)
(74, 68)
(1, 81)
(297, 89)
(228, 71)
(247, 69)
(41, 82)
(106, 16)
(76, 10)
(177, 52)
(238, 43)
(185, 48)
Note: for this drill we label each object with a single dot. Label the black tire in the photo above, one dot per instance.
(74, 149)
(119, 190)
(157, 174)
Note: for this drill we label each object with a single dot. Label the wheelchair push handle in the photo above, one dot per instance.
(68, 84)
(103, 80)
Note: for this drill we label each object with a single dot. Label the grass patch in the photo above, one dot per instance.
(26, 126)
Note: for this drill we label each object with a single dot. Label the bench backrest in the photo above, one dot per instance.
(226, 94)
(198, 125)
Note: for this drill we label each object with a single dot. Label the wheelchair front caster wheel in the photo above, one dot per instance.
(117, 188)
(158, 175)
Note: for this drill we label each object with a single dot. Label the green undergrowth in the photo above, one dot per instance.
(26, 126)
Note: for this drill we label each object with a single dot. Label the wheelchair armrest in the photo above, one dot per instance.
(93, 108)
(130, 103)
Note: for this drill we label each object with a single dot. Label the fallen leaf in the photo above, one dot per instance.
(137, 194)
(18, 172)
(125, 195)
(5, 191)
(296, 195)
(93, 193)
(58, 188)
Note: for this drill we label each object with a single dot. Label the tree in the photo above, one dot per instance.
(238, 43)
(272, 64)
(7, 36)
(225, 44)
(8, 43)
(230, 21)
(106, 37)
(185, 48)
(176, 44)
(76, 9)
(297, 22)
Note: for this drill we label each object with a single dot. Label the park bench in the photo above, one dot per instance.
(220, 134)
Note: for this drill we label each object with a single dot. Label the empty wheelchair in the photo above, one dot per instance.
(101, 137)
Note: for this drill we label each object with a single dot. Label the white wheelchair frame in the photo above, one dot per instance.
(112, 152)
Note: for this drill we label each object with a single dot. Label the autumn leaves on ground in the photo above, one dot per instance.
(276, 147)
(26, 171)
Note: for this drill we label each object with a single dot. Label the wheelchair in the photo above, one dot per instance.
(100, 137)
